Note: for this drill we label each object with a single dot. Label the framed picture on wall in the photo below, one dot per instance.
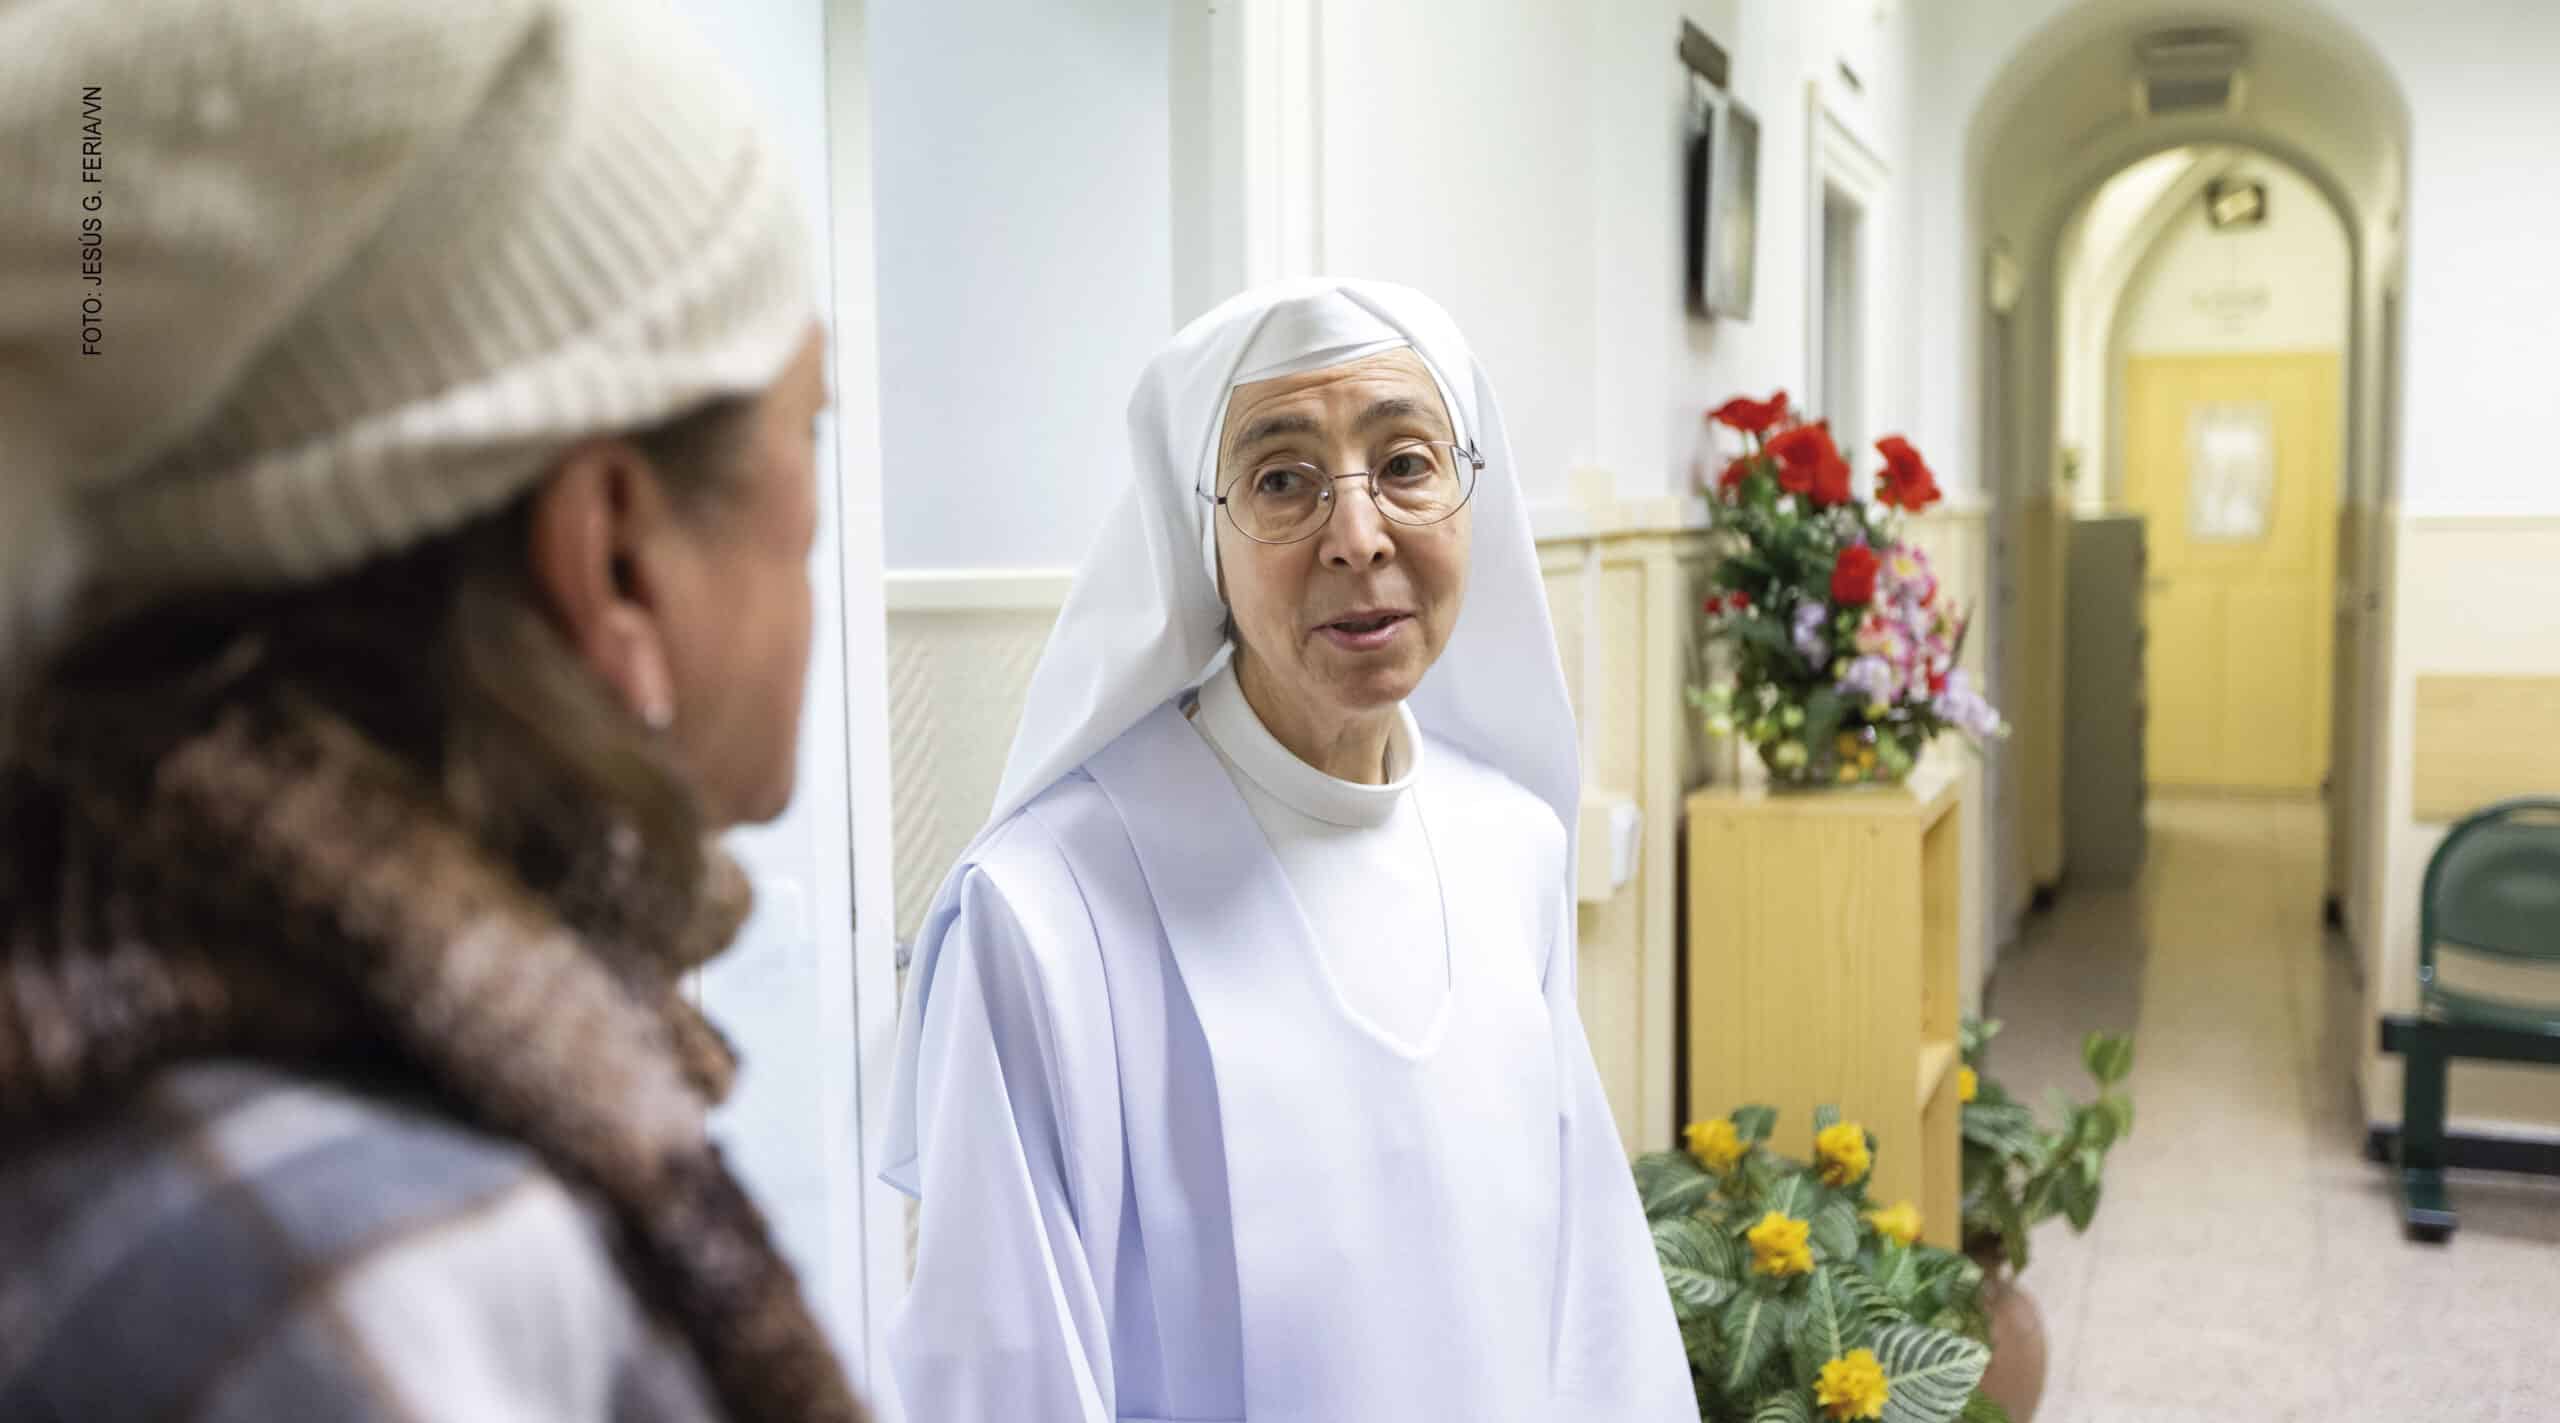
(1724, 186)
(1699, 213)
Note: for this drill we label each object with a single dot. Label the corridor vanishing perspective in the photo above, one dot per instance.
(2249, 1261)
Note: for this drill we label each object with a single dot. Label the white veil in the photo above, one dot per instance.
(1143, 620)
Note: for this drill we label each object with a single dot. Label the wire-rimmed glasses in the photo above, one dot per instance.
(1284, 501)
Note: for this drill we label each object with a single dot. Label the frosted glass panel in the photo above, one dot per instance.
(2231, 471)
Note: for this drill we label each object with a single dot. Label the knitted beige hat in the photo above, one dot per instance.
(287, 284)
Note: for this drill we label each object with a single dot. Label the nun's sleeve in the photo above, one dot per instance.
(1617, 1349)
(1002, 1320)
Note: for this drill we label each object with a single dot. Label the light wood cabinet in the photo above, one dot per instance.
(1823, 939)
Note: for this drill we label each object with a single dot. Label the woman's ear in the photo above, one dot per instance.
(589, 556)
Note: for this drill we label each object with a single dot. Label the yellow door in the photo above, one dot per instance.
(2233, 461)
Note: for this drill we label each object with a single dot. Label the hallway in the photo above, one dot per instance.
(2247, 1260)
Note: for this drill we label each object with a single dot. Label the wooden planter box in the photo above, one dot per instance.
(1823, 931)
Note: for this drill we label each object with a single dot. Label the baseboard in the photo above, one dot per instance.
(2474, 1151)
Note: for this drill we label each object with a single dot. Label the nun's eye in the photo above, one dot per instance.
(1282, 482)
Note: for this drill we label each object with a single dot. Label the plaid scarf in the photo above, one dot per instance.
(280, 888)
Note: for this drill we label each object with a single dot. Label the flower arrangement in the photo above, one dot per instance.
(1799, 1300)
(1846, 650)
(2019, 1173)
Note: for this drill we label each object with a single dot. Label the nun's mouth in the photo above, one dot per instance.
(1365, 631)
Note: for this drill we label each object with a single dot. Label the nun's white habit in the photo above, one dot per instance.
(1166, 1170)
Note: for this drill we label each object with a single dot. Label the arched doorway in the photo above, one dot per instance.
(2086, 97)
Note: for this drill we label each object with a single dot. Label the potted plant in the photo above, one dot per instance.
(1844, 650)
(2019, 1173)
(1798, 1298)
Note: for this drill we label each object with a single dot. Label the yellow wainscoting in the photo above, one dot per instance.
(2483, 739)
(1623, 592)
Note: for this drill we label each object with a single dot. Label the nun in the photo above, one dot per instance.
(1241, 1076)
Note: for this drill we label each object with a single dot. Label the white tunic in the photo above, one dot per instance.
(1356, 857)
(1166, 1176)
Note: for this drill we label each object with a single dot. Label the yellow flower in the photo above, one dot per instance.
(1852, 1387)
(1715, 1143)
(1841, 1153)
(1900, 1223)
(1848, 772)
(1780, 1246)
(1968, 1084)
(1847, 743)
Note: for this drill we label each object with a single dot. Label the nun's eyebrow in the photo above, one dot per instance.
(1393, 407)
(1270, 426)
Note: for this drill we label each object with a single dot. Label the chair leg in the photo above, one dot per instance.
(2427, 1213)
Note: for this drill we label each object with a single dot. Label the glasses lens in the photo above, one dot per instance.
(1423, 484)
(1280, 502)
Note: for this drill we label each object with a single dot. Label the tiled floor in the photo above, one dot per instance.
(2247, 1261)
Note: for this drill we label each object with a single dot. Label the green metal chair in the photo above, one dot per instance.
(2492, 893)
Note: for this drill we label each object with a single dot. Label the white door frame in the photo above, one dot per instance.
(1838, 162)
(876, 1210)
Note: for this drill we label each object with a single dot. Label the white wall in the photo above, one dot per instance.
(2483, 318)
(2283, 286)
(1023, 189)
(1522, 161)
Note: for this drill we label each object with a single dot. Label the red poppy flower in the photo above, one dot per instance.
(1853, 576)
(1831, 482)
(1805, 445)
(1734, 474)
(1906, 482)
(1751, 417)
(1739, 600)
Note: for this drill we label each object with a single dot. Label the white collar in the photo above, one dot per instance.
(1232, 726)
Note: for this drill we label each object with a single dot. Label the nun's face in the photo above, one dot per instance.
(1342, 624)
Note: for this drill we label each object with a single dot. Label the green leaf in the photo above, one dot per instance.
(1762, 633)
(1842, 1310)
(1794, 1195)
(1898, 1273)
(2080, 1200)
(1822, 713)
(1825, 1117)
(1749, 1330)
(1697, 1245)
(2119, 1110)
(1755, 1123)
(1698, 1341)
(1794, 1405)
(2008, 1129)
(1695, 1293)
(1672, 1183)
(1980, 1409)
(2014, 1232)
(1835, 1229)
(1929, 1373)
(2109, 1056)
